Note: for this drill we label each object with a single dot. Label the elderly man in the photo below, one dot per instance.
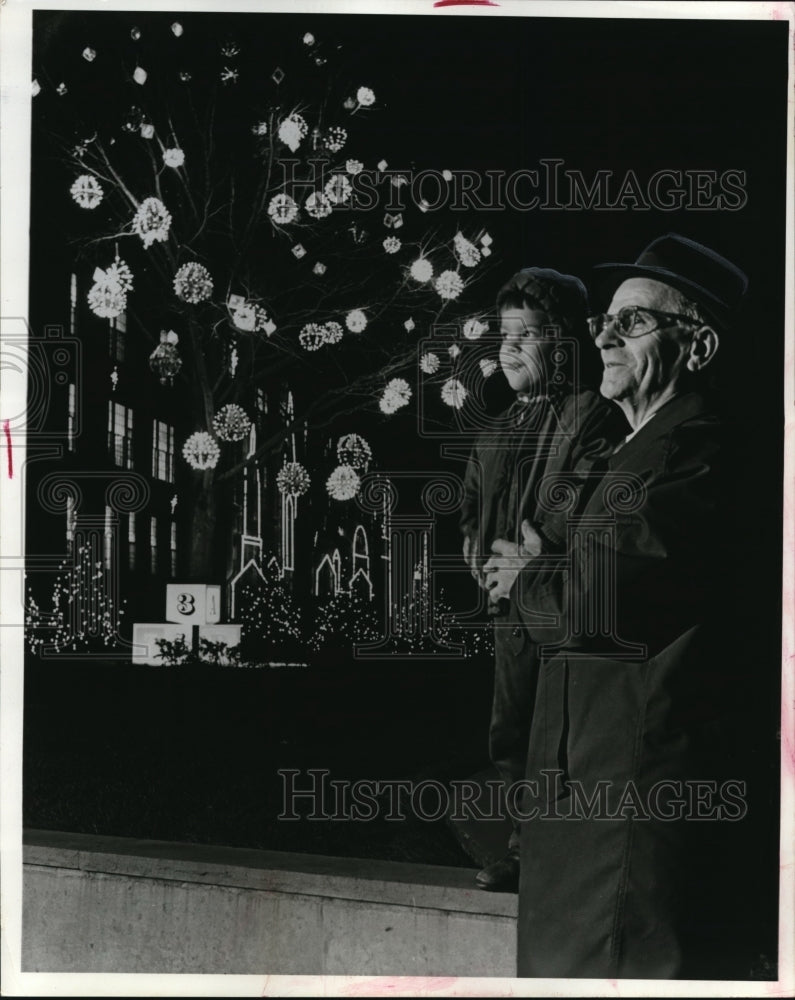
(621, 598)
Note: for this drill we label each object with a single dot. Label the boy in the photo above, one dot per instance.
(552, 424)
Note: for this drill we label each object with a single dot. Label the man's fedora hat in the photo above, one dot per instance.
(702, 275)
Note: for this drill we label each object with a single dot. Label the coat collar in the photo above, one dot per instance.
(678, 410)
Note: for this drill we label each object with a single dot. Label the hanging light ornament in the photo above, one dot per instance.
(421, 270)
(106, 300)
(449, 285)
(87, 191)
(174, 157)
(474, 329)
(292, 479)
(392, 244)
(318, 205)
(152, 221)
(335, 138)
(454, 393)
(467, 252)
(488, 366)
(334, 332)
(397, 394)
(165, 360)
(354, 166)
(193, 283)
(338, 189)
(430, 363)
(201, 451)
(231, 423)
(365, 97)
(293, 130)
(312, 337)
(343, 483)
(120, 274)
(353, 450)
(282, 209)
(356, 320)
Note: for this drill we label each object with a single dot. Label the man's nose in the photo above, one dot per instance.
(607, 336)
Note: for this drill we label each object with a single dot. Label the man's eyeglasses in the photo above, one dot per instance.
(636, 321)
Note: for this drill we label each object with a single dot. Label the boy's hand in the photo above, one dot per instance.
(509, 560)
(472, 556)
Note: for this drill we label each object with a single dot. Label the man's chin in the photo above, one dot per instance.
(610, 387)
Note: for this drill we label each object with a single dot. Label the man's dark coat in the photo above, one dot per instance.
(630, 693)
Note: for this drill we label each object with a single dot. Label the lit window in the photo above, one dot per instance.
(163, 451)
(71, 521)
(117, 329)
(72, 303)
(108, 548)
(120, 434)
(173, 548)
(131, 540)
(153, 544)
(71, 415)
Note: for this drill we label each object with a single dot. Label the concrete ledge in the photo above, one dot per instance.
(111, 904)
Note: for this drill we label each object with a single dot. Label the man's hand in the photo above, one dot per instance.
(503, 568)
(509, 560)
(532, 545)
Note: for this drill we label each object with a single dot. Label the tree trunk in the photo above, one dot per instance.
(202, 544)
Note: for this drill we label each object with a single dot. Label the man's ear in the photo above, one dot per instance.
(703, 348)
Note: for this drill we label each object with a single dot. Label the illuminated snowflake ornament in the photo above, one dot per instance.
(343, 483)
(356, 321)
(333, 331)
(449, 285)
(165, 360)
(293, 130)
(318, 205)
(421, 270)
(201, 451)
(193, 283)
(87, 191)
(312, 337)
(474, 329)
(467, 252)
(335, 138)
(107, 300)
(174, 157)
(292, 479)
(353, 450)
(338, 189)
(397, 394)
(282, 209)
(231, 423)
(430, 363)
(454, 393)
(152, 221)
